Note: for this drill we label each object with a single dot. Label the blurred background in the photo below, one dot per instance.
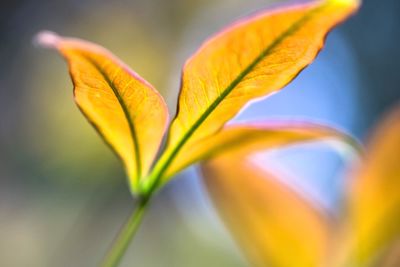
(63, 194)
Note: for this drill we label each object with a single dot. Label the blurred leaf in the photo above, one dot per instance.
(391, 257)
(127, 111)
(250, 59)
(274, 225)
(248, 138)
(374, 197)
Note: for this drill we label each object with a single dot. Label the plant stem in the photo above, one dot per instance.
(125, 236)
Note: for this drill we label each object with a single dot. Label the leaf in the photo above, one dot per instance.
(248, 138)
(374, 196)
(252, 58)
(126, 110)
(274, 225)
(391, 257)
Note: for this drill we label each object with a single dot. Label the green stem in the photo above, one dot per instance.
(125, 236)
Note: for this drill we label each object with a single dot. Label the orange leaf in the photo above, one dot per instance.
(255, 137)
(274, 225)
(250, 59)
(126, 110)
(374, 198)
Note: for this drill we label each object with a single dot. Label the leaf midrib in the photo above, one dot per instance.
(266, 52)
(126, 112)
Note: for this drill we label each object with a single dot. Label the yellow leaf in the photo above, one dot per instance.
(250, 138)
(126, 110)
(250, 59)
(274, 225)
(374, 196)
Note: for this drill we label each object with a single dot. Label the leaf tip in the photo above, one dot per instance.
(46, 39)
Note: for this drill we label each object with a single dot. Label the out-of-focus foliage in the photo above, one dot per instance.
(374, 196)
(366, 235)
(267, 218)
